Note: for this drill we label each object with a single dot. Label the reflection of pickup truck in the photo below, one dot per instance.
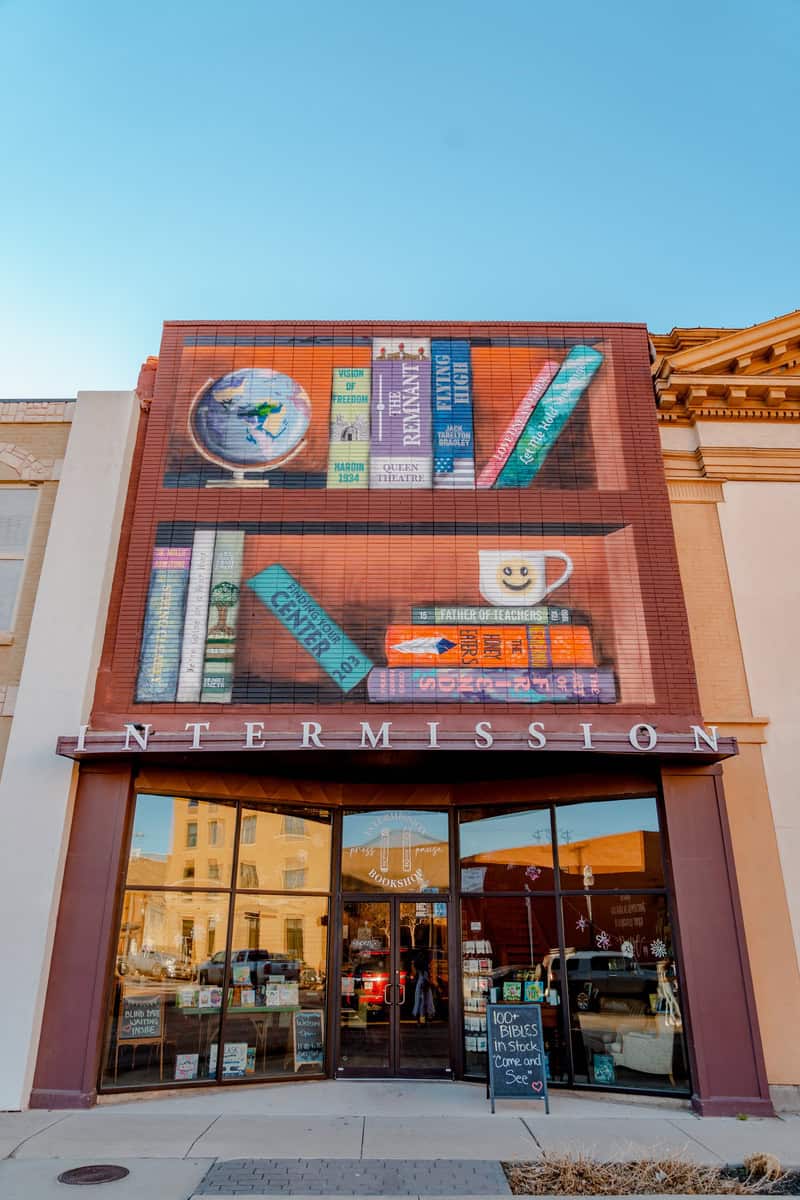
(265, 967)
(607, 974)
(156, 964)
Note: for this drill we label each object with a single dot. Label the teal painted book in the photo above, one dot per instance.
(547, 421)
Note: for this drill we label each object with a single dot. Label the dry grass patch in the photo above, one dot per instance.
(579, 1175)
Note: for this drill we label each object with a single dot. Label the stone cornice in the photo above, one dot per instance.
(721, 353)
(686, 488)
(716, 464)
(747, 730)
(684, 398)
(35, 412)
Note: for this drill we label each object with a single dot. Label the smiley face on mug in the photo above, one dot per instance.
(515, 575)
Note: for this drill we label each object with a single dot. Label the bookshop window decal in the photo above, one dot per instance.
(397, 851)
(519, 609)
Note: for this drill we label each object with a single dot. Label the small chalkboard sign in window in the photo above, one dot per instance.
(141, 1018)
(517, 1059)
(309, 1047)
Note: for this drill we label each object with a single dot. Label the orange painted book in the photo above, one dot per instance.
(489, 646)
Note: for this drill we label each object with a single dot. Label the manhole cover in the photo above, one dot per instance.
(94, 1173)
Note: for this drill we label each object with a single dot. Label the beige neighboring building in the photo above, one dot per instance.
(33, 442)
(64, 468)
(729, 410)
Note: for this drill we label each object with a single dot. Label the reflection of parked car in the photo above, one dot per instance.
(156, 964)
(603, 974)
(265, 967)
(365, 981)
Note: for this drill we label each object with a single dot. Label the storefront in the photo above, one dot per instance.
(430, 912)
(396, 714)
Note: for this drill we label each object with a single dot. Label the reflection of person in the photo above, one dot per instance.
(423, 994)
(666, 992)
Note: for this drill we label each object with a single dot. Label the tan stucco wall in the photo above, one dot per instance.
(719, 619)
(32, 450)
(760, 524)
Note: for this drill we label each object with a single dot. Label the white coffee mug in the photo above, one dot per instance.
(519, 577)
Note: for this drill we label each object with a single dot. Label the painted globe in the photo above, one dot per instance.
(250, 420)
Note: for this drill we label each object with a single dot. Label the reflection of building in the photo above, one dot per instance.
(615, 858)
(277, 852)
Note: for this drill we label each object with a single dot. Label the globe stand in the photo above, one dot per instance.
(237, 480)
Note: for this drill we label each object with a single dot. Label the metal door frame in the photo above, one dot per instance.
(393, 1071)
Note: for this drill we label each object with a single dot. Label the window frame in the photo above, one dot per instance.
(7, 634)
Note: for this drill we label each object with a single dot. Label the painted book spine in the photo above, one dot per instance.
(311, 626)
(348, 450)
(223, 612)
(515, 428)
(489, 646)
(401, 449)
(505, 685)
(548, 419)
(451, 388)
(540, 614)
(457, 646)
(195, 623)
(160, 657)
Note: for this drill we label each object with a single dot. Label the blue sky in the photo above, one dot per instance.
(450, 160)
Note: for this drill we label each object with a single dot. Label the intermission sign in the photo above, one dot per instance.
(200, 737)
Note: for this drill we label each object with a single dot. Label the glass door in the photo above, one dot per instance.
(366, 1002)
(394, 988)
(423, 1025)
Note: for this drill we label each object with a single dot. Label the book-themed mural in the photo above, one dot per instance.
(351, 518)
(331, 617)
(389, 413)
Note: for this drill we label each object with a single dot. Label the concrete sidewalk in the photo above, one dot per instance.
(171, 1142)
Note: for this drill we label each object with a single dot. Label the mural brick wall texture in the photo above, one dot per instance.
(378, 519)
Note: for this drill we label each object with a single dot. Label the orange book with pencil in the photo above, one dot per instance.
(489, 646)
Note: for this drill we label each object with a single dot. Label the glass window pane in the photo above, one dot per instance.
(162, 1023)
(276, 1000)
(624, 995)
(365, 1003)
(17, 507)
(395, 851)
(270, 858)
(506, 945)
(174, 842)
(506, 852)
(10, 576)
(609, 844)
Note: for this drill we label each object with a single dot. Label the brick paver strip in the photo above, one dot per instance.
(354, 1177)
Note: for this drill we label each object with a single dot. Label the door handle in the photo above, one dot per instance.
(386, 991)
(402, 990)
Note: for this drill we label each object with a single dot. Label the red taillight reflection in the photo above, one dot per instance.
(376, 981)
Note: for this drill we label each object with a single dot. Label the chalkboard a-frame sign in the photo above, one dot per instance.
(309, 1048)
(515, 1046)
